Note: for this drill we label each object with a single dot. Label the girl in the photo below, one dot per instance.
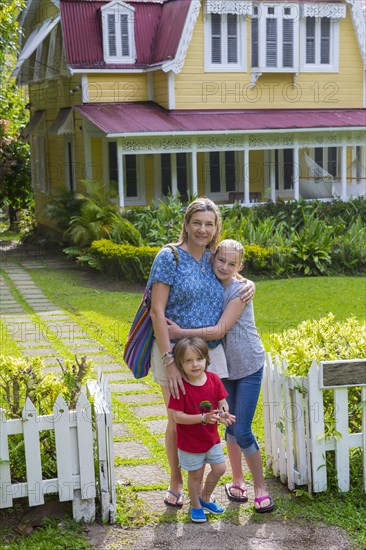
(245, 359)
(188, 292)
(196, 414)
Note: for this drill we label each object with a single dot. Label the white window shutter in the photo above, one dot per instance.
(112, 35)
(271, 43)
(254, 41)
(325, 41)
(288, 43)
(124, 36)
(232, 38)
(215, 38)
(310, 40)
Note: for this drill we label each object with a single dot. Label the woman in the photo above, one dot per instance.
(188, 293)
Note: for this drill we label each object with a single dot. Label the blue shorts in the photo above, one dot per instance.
(194, 461)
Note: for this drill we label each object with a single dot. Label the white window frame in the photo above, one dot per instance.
(117, 9)
(261, 13)
(140, 174)
(224, 66)
(223, 195)
(158, 172)
(317, 67)
(269, 163)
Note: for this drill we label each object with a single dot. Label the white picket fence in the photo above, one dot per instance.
(294, 423)
(75, 431)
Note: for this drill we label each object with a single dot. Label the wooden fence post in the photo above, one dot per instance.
(316, 422)
(6, 499)
(32, 454)
(63, 445)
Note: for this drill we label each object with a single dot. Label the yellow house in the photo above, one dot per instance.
(232, 99)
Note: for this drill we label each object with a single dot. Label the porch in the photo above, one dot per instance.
(250, 156)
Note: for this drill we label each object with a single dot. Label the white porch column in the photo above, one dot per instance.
(174, 175)
(121, 183)
(344, 172)
(194, 170)
(296, 171)
(272, 174)
(246, 176)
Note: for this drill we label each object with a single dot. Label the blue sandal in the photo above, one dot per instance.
(198, 515)
(211, 507)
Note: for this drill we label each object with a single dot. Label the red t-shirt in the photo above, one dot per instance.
(198, 438)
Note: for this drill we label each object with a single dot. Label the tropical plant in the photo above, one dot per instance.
(312, 247)
(96, 217)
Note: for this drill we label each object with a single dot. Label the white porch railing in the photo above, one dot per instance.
(74, 445)
(294, 422)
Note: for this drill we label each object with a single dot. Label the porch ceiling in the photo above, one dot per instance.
(127, 119)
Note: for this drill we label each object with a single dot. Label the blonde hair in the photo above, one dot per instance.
(194, 342)
(230, 244)
(202, 204)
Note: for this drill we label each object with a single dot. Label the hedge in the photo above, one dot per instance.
(131, 263)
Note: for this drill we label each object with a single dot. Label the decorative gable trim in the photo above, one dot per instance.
(333, 11)
(229, 6)
(177, 64)
(359, 24)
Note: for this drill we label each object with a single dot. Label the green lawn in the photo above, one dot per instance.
(106, 310)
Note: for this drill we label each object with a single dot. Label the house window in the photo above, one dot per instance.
(133, 175)
(221, 174)
(327, 158)
(274, 37)
(319, 44)
(130, 176)
(224, 42)
(284, 170)
(118, 33)
(182, 174)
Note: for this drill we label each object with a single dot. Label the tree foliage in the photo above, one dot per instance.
(15, 180)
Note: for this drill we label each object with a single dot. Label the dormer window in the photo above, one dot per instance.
(118, 33)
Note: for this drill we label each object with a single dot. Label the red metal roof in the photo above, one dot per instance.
(125, 118)
(156, 38)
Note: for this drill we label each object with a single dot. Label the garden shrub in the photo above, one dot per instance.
(123, 261)
(21, 379)
(324, 339)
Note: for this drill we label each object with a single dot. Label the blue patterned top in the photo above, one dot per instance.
(196, 296)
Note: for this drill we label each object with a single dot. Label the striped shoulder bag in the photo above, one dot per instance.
(137, 353)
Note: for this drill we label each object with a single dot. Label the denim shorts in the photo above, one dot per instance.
(194, 461)
(217, 364)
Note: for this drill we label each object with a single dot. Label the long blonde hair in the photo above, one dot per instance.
(202, 204)
(231, 244)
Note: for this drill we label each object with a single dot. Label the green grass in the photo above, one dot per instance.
(279, 305)
(64, 535)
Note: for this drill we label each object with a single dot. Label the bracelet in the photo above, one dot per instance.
(167, 354)
(203, 419)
